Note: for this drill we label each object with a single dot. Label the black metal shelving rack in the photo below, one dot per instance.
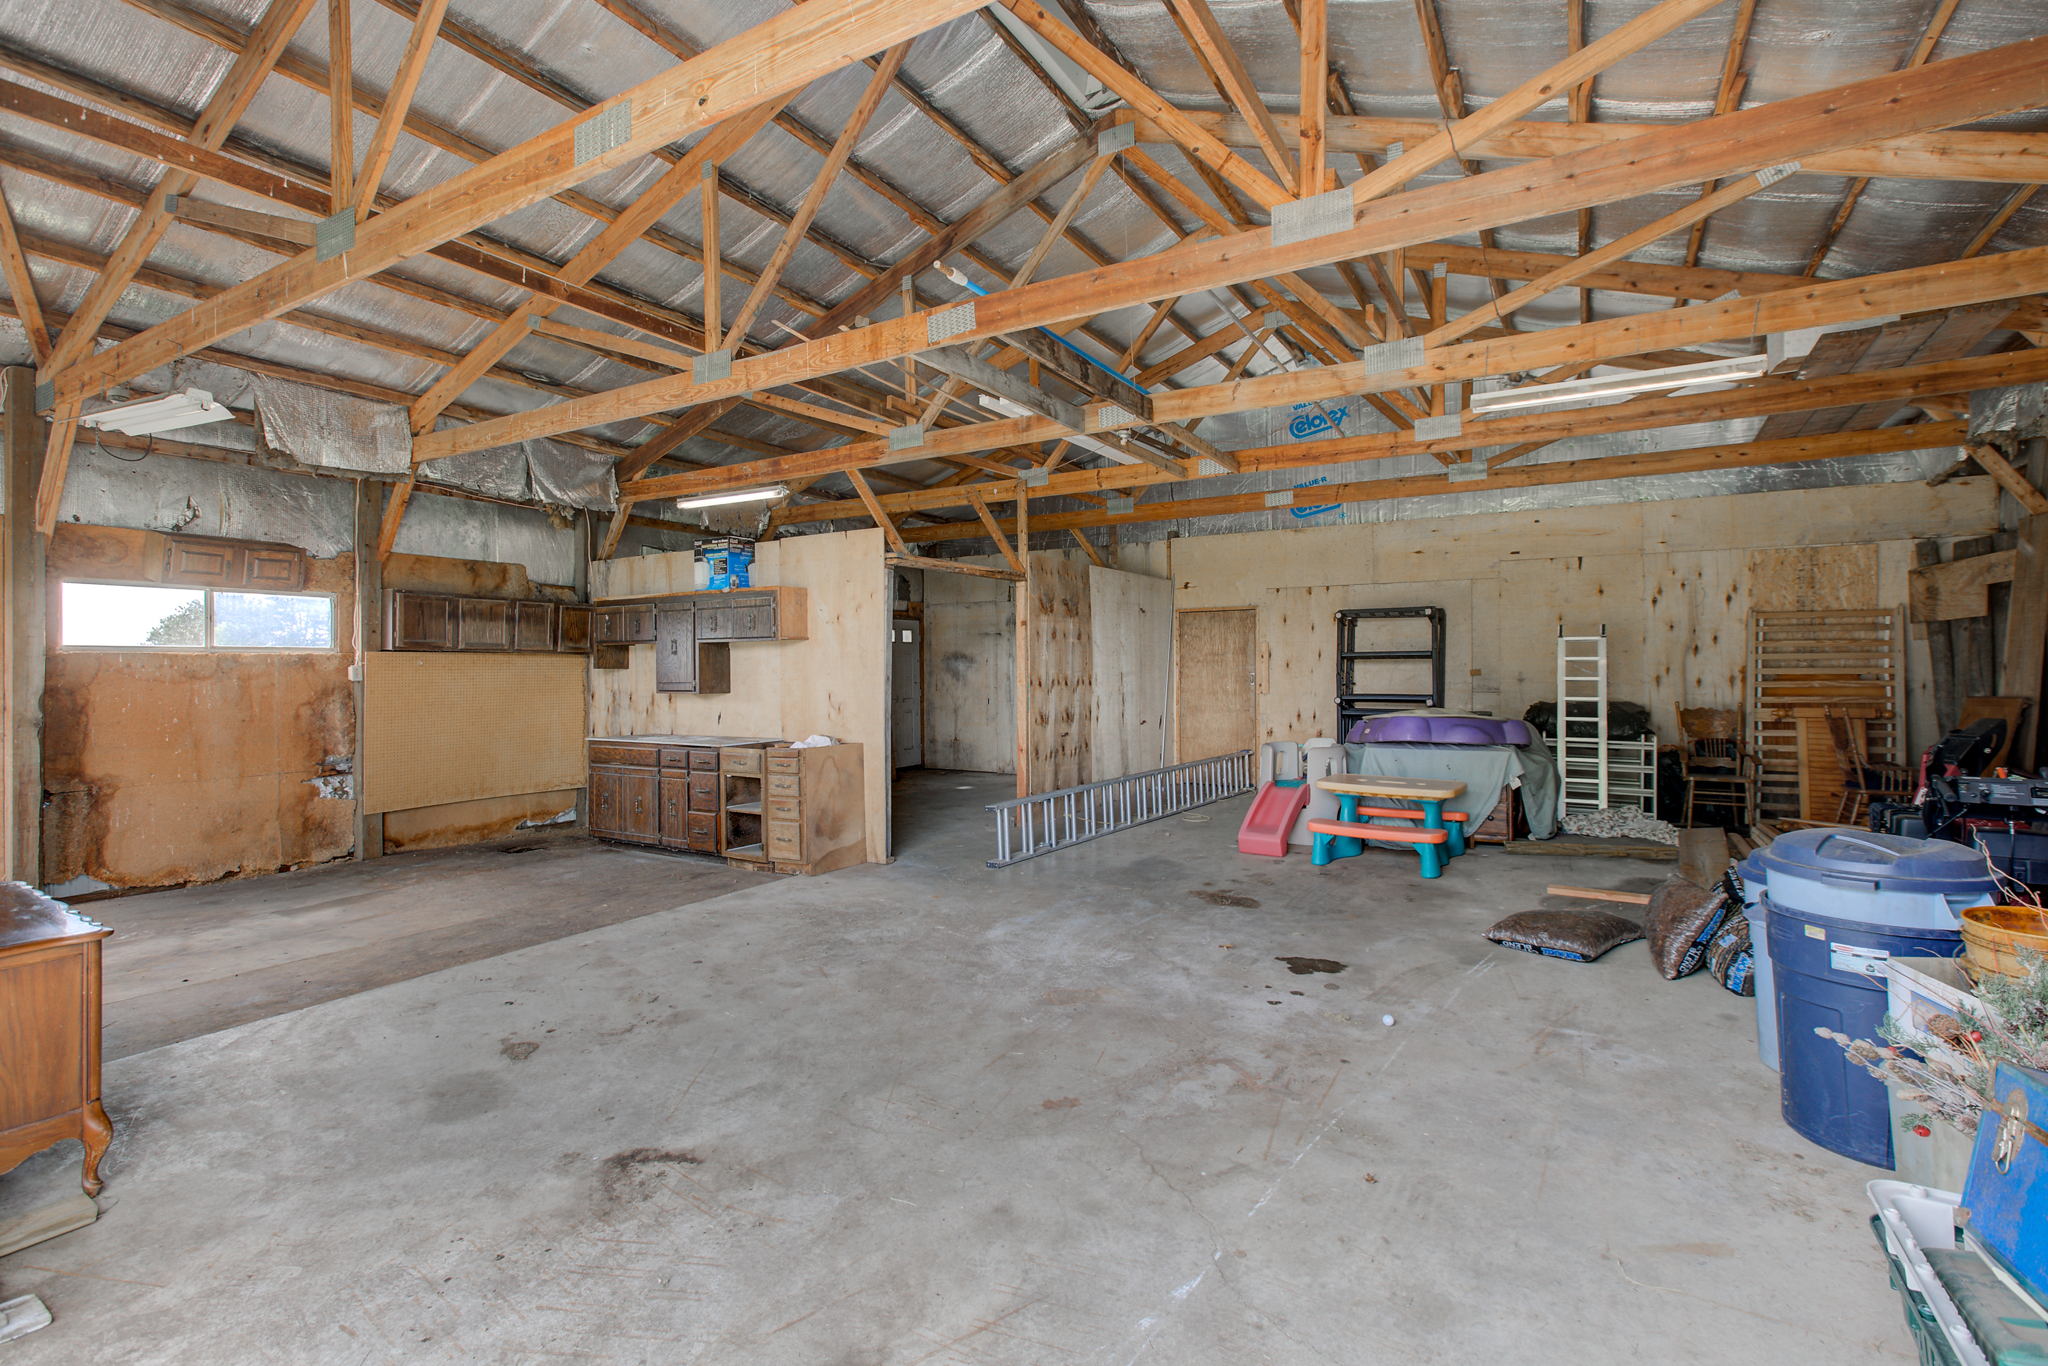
(1354, 705)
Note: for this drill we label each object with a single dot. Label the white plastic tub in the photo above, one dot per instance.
(1916, 1218)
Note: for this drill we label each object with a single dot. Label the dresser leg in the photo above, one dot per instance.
(97, 1133)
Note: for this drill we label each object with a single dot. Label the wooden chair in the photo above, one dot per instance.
(1718, 770)
(1862, 777)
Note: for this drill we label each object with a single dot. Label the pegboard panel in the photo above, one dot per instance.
(456, 727)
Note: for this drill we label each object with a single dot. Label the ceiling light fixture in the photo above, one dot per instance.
(1579, 390)
(158, 413)
(712, 500)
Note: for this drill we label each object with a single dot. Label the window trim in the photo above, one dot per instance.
(208, 647)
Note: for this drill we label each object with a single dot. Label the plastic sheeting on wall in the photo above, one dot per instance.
(455, 528)
(2017, 411)
(166, 493)
(565, 476)
(320, 427)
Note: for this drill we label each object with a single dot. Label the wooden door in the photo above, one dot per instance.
(675, 650)
(1214, 705)
(639, 623)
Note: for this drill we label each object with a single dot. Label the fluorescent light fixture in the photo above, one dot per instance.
(162, 413)
(1579, 390)
(713, 500)
(1102, 448)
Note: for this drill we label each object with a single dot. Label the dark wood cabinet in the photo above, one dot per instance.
(441, 621)
(49, 1030)
(272, 569)
(421, 621)
(572, 629)
(675, 651)
(661, 790)
(483, 624)
(533, 627)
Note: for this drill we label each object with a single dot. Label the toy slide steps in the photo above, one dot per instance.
(1267, 824)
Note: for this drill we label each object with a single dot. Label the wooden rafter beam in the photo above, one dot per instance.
(882, 519)
(2012, 77)
(21, 285)
(341, 106)
(1922, 50)
(807, 211)
(1315, 104)
(412, 65)
(664, 194)
(1589, 261)
(1238, 87)
(1199, 144)
(2010, 479)
(1820, 306)
(1947, 154)
(1785, 451)
(772, 58)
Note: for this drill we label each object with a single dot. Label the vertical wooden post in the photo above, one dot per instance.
(22, 634)
(2026, 623)
(369, 637)
(1023, 598)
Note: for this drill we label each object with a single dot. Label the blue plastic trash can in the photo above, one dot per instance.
(1838, 904)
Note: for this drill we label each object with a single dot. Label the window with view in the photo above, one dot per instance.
(122, 616)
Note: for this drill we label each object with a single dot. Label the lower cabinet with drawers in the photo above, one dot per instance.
(795, 810)
(754, 801)
(661, 790)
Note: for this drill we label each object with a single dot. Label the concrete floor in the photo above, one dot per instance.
(1069, 1112)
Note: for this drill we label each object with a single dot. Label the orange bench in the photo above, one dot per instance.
(1424, 839)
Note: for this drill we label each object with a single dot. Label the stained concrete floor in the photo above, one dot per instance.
(1074, 1111)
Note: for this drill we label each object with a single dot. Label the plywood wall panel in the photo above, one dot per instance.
(1130, 631)
(1062, 672)
(456, 727)
(970, 666)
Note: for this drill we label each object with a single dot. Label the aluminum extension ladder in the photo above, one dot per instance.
(1582, 754)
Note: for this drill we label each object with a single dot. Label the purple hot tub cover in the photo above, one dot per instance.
(1438, 730)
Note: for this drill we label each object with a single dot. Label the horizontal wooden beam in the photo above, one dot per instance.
(781, 54)
(1785, 451)
(1764, 399)
(1944, 285)
(952, 566)
(1950, 154)
(1964, 88)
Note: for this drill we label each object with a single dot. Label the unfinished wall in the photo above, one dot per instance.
(835, 683)
(970, 672)
(164, 768)
(1673, 582)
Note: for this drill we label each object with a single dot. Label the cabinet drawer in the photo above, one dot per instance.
(706, 759)
(783, 784)
(782, 808)
(675, 757)
(785, 840)
(785, 761)
(704, 792)
(702, 831)
(714, 623)
(739, 761)
(638, 756)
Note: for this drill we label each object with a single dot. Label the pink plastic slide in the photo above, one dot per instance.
(1267, 824)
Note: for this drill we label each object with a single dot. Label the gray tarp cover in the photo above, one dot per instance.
(334, 431)
(1486, 770)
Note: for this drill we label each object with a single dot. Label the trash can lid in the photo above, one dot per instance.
(1844, 856)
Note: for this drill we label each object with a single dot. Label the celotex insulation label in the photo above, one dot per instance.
(1305, 422)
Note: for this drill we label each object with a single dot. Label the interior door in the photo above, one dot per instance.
(906, 689)
(1214, 707)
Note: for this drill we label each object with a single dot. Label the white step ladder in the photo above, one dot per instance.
(1582, 754)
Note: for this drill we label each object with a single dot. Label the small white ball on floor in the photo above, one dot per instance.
(1386, 1019)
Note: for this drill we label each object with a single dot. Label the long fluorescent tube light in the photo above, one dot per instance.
(162, 413)
(1576, 390)
(712, 500)
(1102, 448)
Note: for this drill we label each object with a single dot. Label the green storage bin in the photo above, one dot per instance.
(2010, 1331)
(1920, 1319)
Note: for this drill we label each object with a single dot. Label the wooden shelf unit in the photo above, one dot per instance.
(692, 633)
(794, 810)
